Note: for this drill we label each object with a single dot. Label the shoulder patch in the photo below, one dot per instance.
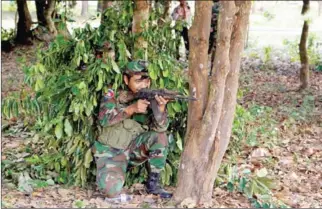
(109, 94)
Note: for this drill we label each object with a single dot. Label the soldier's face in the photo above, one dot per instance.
(137, 82)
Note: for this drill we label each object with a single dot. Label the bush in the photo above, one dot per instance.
(315, 58)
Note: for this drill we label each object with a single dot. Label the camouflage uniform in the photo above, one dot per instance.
(135, 146)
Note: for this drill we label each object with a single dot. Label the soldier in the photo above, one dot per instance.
(125, 139)
(183, 13)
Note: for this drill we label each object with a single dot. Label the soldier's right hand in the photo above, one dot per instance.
(141, 106)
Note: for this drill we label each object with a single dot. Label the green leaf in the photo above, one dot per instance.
(179, 141)
(262, 172)
(230, 187)
(105, 66)
(59, 130)
(50, 182)
(88, 158)
(176, 106)
(100, 81)
(242, 184)
(68, 128)
(85, 58)
(165, 73)
(160, 64)
(115, 67)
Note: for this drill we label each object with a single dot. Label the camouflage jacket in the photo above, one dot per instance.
(112, 112)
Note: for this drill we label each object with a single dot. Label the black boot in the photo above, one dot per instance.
(153, 186)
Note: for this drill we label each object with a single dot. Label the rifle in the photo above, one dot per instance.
(149, 94)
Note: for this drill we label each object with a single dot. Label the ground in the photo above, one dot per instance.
(295, 159)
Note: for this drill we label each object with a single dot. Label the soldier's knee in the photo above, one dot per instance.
(110, 184)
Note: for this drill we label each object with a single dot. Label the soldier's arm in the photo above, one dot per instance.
(109, 113)
(161, 122)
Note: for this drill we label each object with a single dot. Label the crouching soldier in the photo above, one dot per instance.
(131, 134)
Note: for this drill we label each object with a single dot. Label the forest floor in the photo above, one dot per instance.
(294, 160)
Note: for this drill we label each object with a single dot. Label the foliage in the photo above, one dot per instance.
(7, 35)
(267, 54)
(255, 186)
(68, 79)
(252, 127)
(315, 58)
(303, 112)
(269, 16)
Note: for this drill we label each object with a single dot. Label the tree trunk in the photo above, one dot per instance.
(304, 71)
(209, 136)
(99, 6)
(320, 8)
(253, 7)
(24, 23)
(140, 15)
(48, 16)
(40, 7)
(84, 8)
(198, 62)
(166, 9)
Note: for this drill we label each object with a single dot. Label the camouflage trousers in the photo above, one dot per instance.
(112, 163)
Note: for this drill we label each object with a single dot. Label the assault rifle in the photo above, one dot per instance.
(149, 94)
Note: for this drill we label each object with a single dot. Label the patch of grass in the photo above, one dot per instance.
(299, 112)
(252, 127)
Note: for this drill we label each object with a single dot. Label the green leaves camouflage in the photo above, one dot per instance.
(67, 96)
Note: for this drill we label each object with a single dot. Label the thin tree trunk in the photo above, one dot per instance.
(198, 62)
(166, 9)
(99, 6)
(24, 23)
(305, 70)
(48, 16)
(227, 114)
(208, 138)
(141, 14)
(253, 7)
(320, 8)
(84, 8)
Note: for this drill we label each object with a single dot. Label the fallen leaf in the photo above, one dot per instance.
(260, 152)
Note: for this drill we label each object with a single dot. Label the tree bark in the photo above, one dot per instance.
(140, 15)
(166, 9)
(24, 23)
(209, 136)
(84, 8)
(99, 6)
(305, 70)
(198, 62)
(48, 16)
(40, 7)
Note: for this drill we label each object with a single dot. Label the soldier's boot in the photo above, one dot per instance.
(153, 186)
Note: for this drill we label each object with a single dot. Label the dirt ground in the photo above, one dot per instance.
(297, 160)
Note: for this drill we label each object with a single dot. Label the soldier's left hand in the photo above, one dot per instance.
(162, 102)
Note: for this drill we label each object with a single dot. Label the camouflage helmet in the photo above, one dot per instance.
(137, 67)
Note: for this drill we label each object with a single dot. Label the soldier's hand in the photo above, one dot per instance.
(141, 106)
(162, 102)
